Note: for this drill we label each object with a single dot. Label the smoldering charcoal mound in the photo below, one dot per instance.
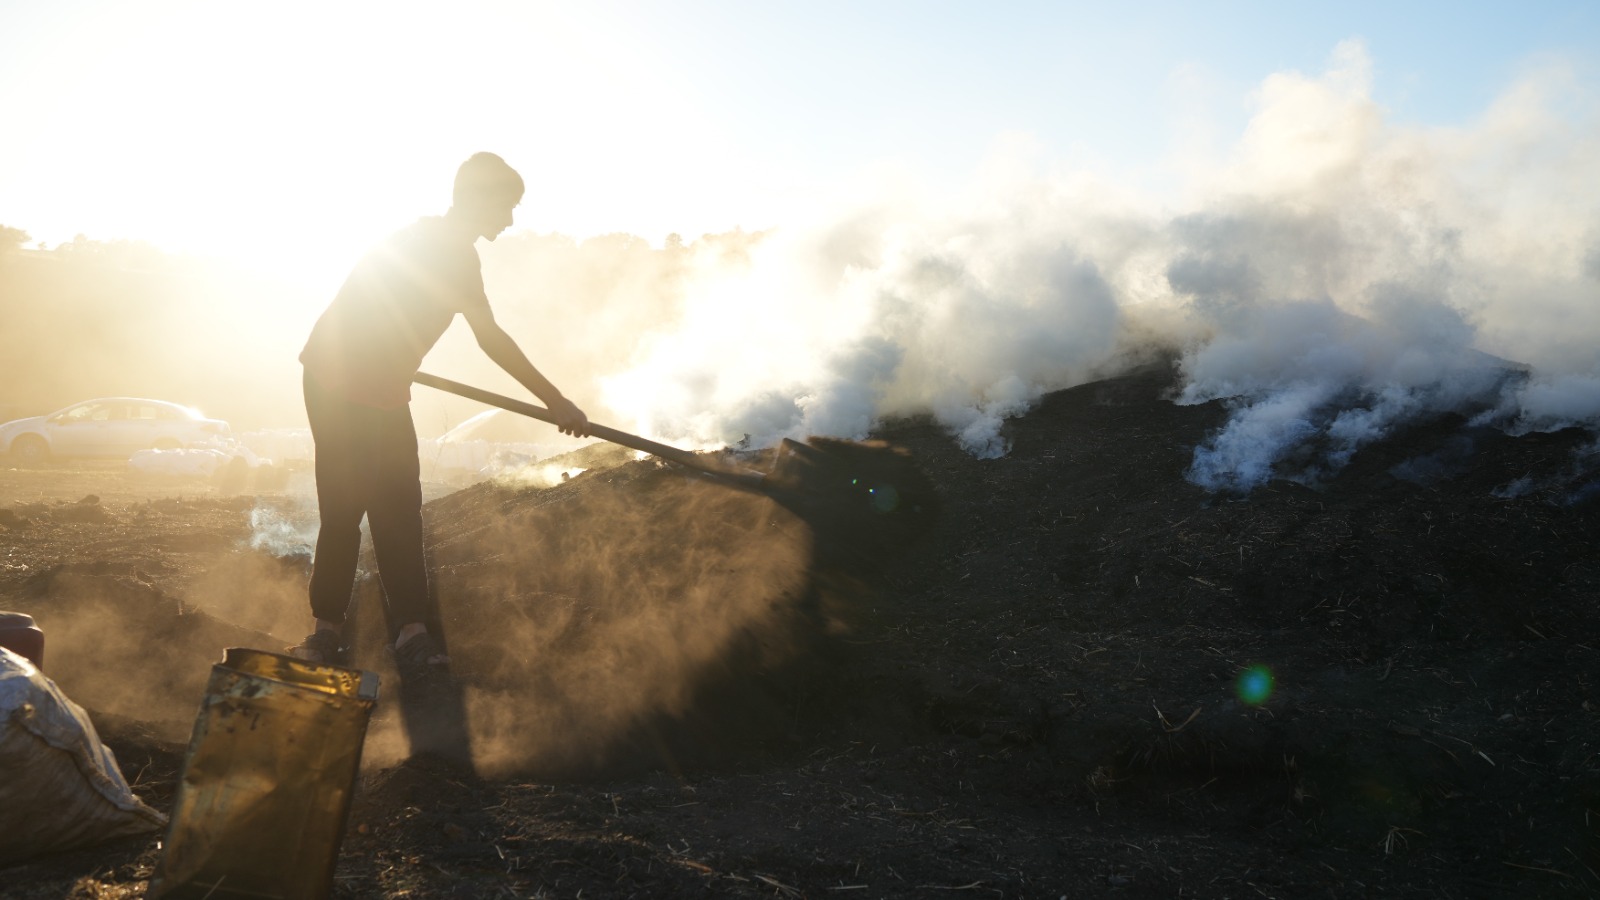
(1086, 674)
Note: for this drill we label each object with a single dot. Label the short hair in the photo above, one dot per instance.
(485, 177)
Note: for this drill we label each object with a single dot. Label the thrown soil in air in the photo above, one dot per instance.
(679, 690)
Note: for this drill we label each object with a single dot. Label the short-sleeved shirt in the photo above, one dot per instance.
(390, 312)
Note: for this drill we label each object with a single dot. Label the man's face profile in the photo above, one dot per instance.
(494, 215)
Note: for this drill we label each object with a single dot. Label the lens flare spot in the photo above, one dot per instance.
(1255, 685)
(884, 498)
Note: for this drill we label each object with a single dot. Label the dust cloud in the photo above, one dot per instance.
(259, 589)
(120, 645)
(592, 619)
(139, 599)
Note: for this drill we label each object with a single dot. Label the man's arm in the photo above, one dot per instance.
(499, 346)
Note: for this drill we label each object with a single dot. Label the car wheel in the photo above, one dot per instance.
(30, 448)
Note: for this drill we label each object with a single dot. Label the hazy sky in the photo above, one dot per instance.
(305, 129)
(979, 203)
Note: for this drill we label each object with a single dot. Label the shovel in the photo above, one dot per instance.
(842, 486)
(743, 479)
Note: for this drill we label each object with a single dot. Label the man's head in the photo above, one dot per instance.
(486, 191)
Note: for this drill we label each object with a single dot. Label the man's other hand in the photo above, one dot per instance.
(569, 418)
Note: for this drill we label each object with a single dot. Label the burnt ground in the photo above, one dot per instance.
(677, 690)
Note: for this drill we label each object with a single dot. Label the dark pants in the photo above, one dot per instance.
(366, 463)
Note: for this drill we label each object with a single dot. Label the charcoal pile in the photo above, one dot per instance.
(1085, 675)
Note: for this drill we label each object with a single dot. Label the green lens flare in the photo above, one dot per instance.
(1255, 685)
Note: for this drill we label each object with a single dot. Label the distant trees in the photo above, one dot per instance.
(130, 256)
(12, 238)
(89, 318)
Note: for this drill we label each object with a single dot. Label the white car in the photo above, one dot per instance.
(111, 427)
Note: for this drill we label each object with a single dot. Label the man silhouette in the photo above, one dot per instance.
(358, 364)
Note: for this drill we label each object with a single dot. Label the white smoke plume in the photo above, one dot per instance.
(1390, 275)
(826, 331)
(1334, 275)
(284, 531)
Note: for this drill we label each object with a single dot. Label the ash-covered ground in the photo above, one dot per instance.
(1087, 677)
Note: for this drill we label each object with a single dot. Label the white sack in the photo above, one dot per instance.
(59, 786)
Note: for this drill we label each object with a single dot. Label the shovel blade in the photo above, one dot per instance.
(865, 500)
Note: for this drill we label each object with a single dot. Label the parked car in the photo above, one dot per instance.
(110, 427)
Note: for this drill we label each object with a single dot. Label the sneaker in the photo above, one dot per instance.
(321, 647)
(422, 657)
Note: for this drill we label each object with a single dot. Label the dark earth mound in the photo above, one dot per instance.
(1056, 690)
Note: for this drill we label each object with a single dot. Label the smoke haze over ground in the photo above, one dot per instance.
(1330, 273)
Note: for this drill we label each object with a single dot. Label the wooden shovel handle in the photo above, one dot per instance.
(749, 480)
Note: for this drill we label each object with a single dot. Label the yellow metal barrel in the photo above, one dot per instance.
(267, 783)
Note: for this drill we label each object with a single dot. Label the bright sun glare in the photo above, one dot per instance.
(290, 138)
